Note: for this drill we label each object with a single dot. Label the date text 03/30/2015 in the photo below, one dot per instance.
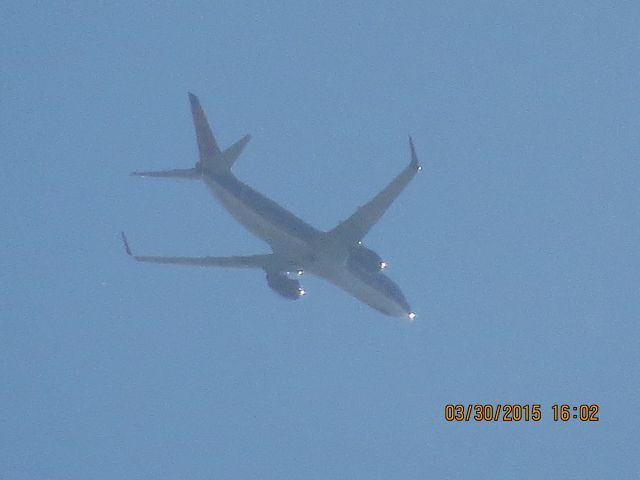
(516, 412)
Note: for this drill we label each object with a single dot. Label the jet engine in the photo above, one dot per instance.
(365, 260)
(284, 286)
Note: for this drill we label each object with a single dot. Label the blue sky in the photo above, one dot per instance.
(517, 244)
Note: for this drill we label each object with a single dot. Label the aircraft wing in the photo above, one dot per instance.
(267, 262)
(354, 228)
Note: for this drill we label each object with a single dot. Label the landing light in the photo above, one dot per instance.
(300, 272)
(383, 265)
(412, 316)
(301, 292)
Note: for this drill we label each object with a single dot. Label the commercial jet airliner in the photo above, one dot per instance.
(337, 255)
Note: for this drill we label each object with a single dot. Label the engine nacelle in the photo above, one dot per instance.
(365, 260)
(284, 286)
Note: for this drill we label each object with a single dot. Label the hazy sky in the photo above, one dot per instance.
(517, 244)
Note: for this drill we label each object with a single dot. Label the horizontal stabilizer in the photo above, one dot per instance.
(231, 154)
(190, 173)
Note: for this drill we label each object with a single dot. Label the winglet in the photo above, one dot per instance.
(414, 156)
(126, 244)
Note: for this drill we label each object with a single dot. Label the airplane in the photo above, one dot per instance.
(337, 255)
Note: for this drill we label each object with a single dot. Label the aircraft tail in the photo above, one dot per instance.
(211, 157)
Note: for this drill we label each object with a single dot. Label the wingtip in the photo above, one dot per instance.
(126, 244)
(414, 155)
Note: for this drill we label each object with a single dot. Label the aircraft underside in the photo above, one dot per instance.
(337, 255)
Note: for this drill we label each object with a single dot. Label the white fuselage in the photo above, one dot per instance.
(301, 244)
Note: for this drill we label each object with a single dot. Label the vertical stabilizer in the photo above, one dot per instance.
(207, 146)
(210, 155)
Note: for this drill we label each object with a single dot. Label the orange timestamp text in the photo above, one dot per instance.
(516, 412)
